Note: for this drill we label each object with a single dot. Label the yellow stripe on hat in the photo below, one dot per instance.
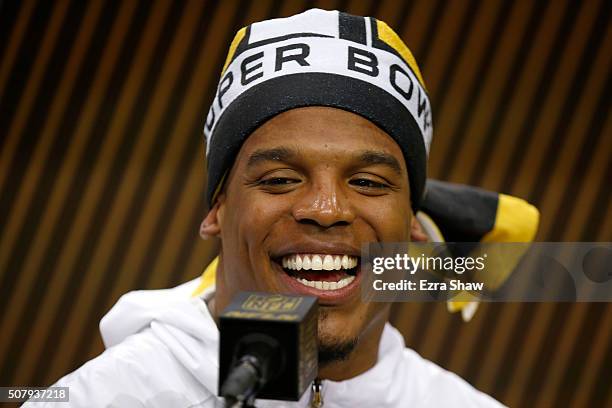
(232, 50)
(516, 221)
(387, 35)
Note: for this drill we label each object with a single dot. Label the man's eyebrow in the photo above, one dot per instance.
(281, 154)
(375, 157)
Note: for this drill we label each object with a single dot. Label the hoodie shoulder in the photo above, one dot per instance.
(126, 375)
(135, 310)
(161, 351)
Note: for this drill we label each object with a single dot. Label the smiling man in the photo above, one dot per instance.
(317, 142)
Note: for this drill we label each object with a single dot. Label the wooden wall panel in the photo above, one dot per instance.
(102, 168)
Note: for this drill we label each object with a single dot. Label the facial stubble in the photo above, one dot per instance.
(333, 348)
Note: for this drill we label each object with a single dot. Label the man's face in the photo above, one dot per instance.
(308, 188)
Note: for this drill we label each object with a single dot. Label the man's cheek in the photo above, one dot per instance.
(388, 227)
(394, 225)
(272, 207)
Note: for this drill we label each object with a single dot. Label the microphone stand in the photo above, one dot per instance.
(261, 360)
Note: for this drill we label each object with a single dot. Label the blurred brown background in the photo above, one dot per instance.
(102, 168)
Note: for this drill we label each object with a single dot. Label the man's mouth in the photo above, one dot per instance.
(321, 271)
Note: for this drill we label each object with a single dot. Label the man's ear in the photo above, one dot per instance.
(211, 225)
(416, 231)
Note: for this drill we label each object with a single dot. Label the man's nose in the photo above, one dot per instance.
(325, 204)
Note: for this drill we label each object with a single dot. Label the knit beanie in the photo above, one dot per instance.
(319, 58)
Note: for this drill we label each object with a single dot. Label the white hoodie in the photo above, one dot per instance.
(162, 351)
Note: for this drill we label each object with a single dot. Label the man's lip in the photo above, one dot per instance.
(326, 248)
(326, 297)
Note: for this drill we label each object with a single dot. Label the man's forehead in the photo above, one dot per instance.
(308, 117)
(318, 129)
(287, 154)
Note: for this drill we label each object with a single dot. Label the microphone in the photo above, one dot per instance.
(268, 347)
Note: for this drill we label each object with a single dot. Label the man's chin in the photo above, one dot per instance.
(335, 344)
(332, 352)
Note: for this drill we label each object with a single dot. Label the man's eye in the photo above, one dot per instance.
(366, 183)
(277, 181)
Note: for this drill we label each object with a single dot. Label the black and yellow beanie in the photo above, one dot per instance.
(319, 58)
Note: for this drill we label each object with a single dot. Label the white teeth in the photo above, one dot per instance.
(324, 285)
(337, 262)
(317, 262)
(328, 263)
